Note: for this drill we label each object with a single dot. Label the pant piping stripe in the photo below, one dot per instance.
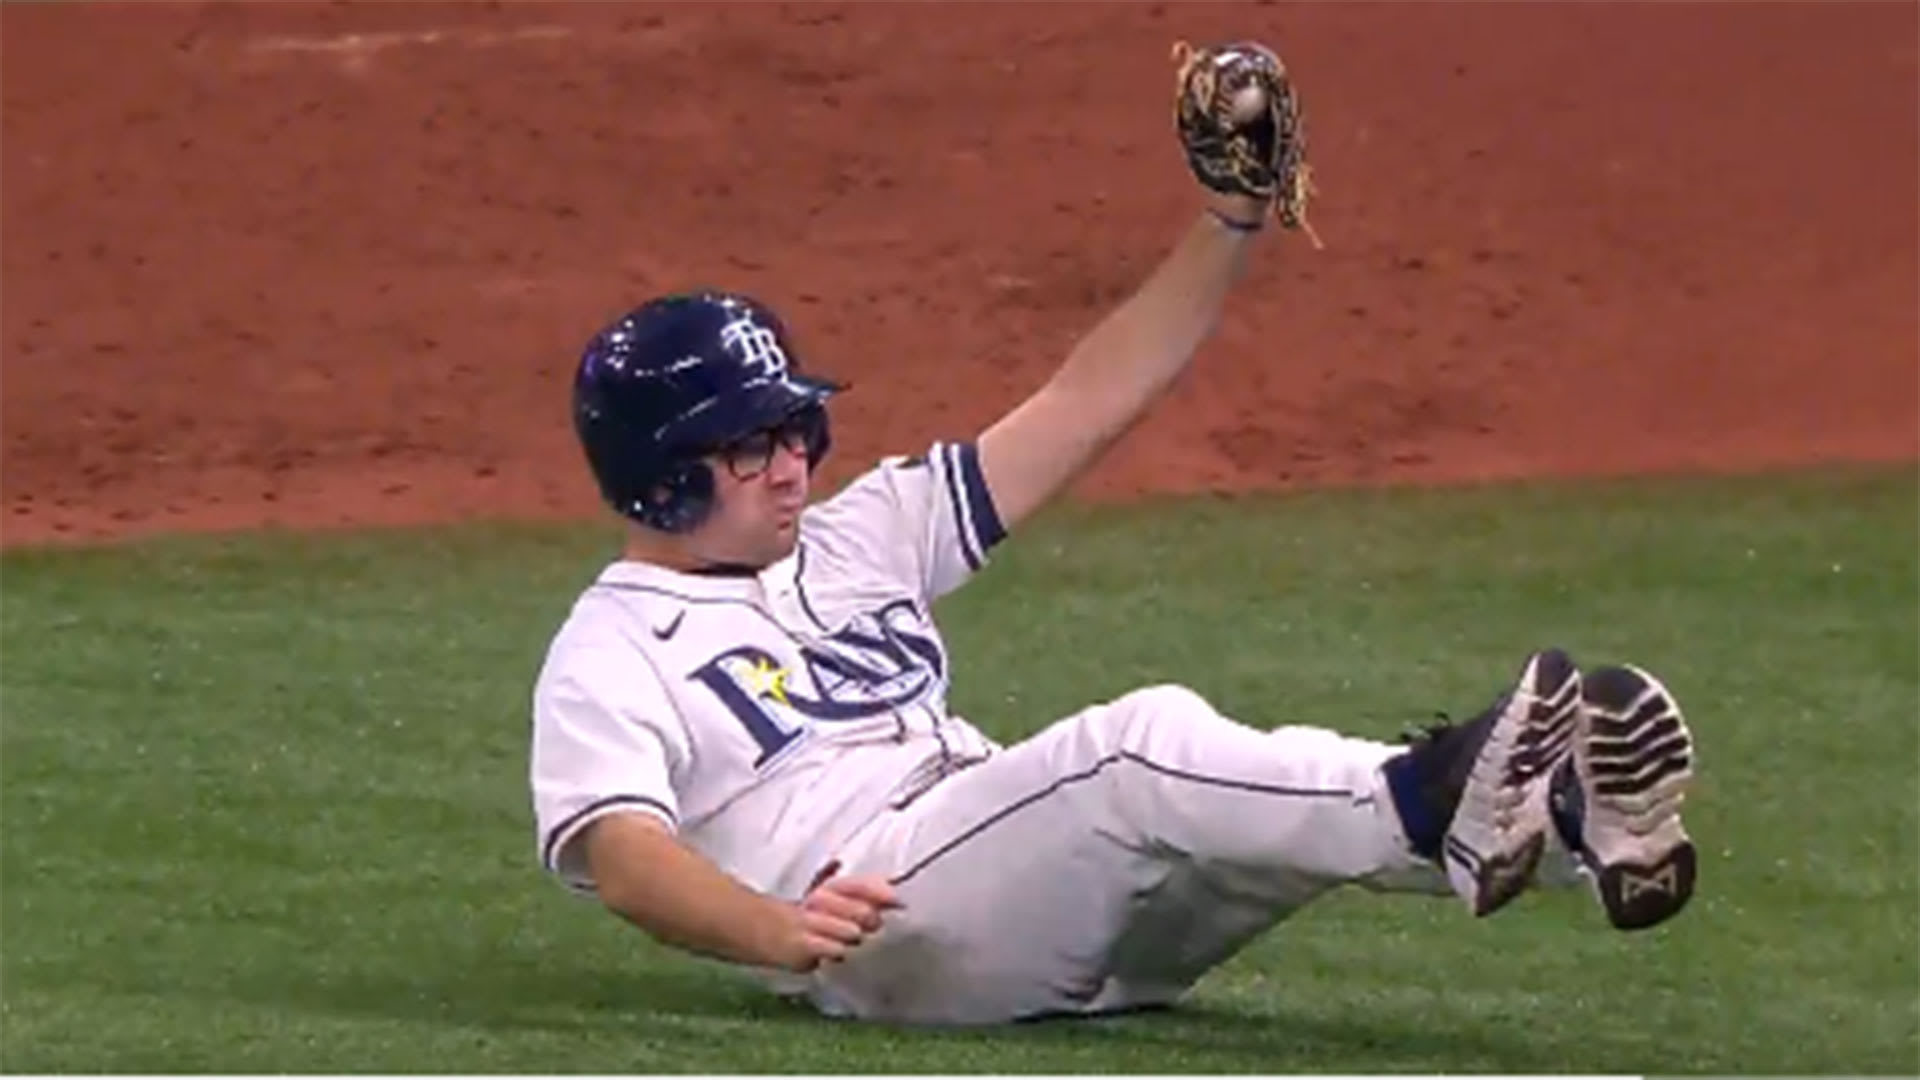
(1094, 770)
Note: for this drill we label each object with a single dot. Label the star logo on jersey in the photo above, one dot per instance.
(756, 344)
(768, 681)
(879, 662)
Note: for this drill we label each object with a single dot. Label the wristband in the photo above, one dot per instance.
(1237, 225)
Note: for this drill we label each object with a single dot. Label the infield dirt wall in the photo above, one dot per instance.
(330, 264)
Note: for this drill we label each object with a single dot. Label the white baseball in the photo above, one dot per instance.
(1248, 103)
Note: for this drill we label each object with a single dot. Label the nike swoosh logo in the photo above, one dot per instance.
(672, 628)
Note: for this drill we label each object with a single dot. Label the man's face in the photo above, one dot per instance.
(760, 486)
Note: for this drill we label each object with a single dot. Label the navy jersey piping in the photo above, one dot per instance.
(950, 477)
(800, 587)
(987, 527)
(550, 848)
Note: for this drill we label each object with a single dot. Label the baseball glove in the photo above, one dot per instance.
(1238, 119)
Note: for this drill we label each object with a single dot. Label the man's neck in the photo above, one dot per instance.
(669, 555)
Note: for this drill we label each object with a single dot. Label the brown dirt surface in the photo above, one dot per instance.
(330, 264)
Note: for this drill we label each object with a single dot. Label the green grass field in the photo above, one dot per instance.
(265, 810)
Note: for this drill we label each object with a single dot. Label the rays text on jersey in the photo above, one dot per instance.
(876, 664)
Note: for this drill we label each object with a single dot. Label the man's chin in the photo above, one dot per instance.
(786, 537)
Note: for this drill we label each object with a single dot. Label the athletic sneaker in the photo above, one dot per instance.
(1474, 797)
(1618, 806)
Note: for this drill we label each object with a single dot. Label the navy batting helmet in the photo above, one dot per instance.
(675, 380)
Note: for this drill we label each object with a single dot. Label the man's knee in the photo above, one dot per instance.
(1138, 720)
(1167, 700)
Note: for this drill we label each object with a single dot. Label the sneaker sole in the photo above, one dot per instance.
(1499, 830)
(1634, 759)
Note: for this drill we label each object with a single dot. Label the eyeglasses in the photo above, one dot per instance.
(752, 454)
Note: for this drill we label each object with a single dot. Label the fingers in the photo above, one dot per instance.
(815, 937)
(821, 950)
(852, 909)
(869, 889)
(830, 927)
(838, 913)
(859, 900)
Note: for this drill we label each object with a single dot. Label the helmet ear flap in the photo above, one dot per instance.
(679, 502)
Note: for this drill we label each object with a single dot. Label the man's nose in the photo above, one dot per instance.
(788, 464)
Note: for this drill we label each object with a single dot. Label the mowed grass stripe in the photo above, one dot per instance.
(264, 797)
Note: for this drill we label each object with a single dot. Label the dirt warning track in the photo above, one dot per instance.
(319, 265)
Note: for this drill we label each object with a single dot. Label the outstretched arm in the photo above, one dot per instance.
(1120, 367)
(1239, 122)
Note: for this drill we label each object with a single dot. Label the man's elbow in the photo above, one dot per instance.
(621, 853)
(623, 896)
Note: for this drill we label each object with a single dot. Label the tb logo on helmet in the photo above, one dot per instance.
(756, 344)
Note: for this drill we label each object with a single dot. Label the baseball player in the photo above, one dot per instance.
(741, 736)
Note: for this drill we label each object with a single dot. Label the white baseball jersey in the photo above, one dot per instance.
(774, 720)
(765, 717)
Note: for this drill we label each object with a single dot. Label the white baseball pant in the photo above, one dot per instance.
(1111, 860)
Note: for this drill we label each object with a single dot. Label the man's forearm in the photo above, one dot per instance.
(1115, 371)
(1131, 356)
(647, 877)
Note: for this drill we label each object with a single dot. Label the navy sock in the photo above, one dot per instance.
(1425, 830)
(1568, 806)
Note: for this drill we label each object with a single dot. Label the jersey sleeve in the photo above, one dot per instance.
(605, 741)
(927, 521)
